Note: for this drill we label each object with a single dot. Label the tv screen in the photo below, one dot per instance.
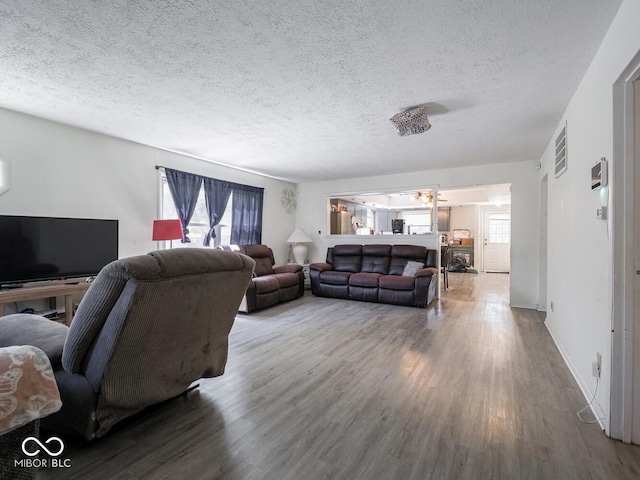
(47, 248)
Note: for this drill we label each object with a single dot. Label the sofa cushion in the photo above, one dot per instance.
(266, 284)
(347, 258)
(396, 282)
(263, 267)
(263, 256)
(364, 279)
(401, 254)
(287, 279)
(332, 277)
(376, 258)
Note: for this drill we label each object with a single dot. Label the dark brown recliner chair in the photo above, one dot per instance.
(270, 285)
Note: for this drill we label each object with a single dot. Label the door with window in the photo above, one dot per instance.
(497, 241)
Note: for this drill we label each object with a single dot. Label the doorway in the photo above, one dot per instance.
(625, 231)
(496, 238)
(635, 436)
(544, 243)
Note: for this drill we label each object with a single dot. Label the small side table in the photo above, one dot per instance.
(307, 276)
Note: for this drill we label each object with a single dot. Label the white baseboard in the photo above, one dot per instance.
(530, 307)
(595, 407)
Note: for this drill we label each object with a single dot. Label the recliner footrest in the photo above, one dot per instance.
(27, 329)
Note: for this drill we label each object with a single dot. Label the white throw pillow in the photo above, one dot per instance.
(411, 268)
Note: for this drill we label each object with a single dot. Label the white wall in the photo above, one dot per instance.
(464, 218)
(58, 170)
(311, 214)
(579, 245)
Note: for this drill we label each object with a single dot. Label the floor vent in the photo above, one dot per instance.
(561, 152)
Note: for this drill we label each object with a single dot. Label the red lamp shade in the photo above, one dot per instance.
(167, 230)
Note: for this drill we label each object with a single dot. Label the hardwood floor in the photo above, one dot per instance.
(317, 388)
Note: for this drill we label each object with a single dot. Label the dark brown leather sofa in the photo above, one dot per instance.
(374, 273)
(270, 285)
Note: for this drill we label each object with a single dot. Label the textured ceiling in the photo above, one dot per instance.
(304, 90)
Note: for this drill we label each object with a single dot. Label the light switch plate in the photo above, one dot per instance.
(601, 213)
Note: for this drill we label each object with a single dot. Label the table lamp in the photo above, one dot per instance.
(299, 237)
(167, 230)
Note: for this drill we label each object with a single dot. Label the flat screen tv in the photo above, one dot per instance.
(47, 248)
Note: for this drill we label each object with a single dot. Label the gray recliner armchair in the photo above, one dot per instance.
(146, 329)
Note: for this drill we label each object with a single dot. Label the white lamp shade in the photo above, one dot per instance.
(299, 236)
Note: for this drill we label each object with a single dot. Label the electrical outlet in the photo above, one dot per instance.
(596, 367)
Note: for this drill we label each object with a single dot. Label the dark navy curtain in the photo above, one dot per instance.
(216, 195)
(246, 218)
(184, 188)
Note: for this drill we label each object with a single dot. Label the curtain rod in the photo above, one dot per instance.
(158, 167)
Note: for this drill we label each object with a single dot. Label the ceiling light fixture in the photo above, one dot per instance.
(427, 198)
(411, 121)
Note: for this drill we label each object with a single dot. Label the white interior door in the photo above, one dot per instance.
(497, 240)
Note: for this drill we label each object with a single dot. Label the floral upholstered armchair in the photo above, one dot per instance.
(28, 392)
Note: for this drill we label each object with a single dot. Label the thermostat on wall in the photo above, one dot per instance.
(599, 174)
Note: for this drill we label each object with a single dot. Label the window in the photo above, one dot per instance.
(417, 222)
(199, 224)
(203, 201)
(499, 228)
(370, 218)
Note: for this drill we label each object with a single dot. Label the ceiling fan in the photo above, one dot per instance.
(427, 198)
